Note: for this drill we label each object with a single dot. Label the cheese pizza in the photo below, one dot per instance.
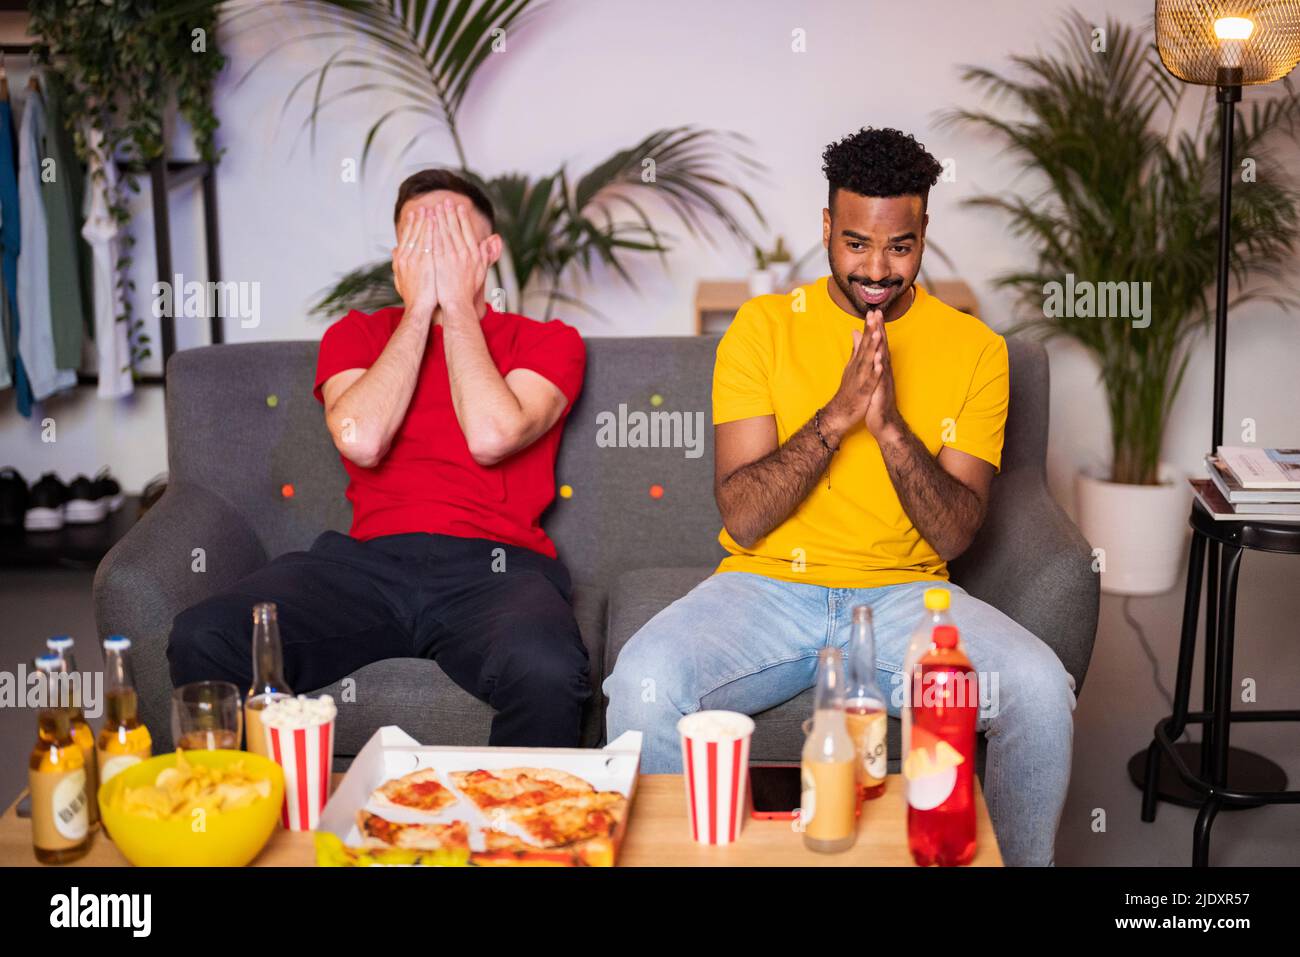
(418, 791)
(378, 831)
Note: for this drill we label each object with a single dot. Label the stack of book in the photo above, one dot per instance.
(1251, 484)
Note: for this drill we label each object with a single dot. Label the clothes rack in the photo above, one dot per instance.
(165, 175)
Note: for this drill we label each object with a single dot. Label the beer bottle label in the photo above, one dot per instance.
(875, 752)
(807, 798)
(113, 764)
(71, 813)
(60, 815)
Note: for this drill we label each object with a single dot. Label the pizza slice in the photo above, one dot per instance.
(418, 791)
(572, 818)
(378, 831)
(518, 788)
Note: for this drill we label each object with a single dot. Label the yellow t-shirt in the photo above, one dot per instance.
(783, 356)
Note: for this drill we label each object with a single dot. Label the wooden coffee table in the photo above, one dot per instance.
(658, 835)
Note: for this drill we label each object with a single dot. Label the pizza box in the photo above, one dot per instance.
(391, 753)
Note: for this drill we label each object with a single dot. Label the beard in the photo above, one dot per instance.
(863, 301)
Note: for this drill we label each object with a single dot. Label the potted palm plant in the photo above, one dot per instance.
(1129, 209)
(404, 58)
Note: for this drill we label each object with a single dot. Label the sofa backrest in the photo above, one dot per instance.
(633, 504)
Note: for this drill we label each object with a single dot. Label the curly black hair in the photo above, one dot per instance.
(882, 162)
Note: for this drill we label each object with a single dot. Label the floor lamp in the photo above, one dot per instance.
(1226, 45)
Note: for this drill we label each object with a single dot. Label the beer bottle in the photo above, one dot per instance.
(268, 674)
(56, 774)
(123, 740)
(864, 708)
(61, 645)
(828, 805)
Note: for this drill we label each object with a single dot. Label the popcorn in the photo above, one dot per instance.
(291, 714)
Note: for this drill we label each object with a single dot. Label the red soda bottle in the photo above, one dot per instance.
(940, 768)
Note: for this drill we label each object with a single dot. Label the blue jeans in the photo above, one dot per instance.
(745, 642)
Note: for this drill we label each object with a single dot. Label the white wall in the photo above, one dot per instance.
(587, 78)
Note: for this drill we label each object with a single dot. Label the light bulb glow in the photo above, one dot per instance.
(1232, 32)
(1233, 28)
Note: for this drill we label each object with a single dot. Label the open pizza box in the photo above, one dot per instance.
(391, 753)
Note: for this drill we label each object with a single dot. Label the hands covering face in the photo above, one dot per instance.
(438, 259)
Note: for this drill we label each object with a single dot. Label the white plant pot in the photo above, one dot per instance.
(762, 282)
(1141, 530)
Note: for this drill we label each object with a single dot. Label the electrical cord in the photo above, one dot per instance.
(1151, 655)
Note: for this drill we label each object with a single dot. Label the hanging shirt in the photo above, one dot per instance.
(10, 241)
(5, 325)
(62, 193)
(36, 329)
(112, 345)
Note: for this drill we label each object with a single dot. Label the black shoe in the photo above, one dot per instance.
(45, 504)
(13, 498)
(84, 506)
(106, 487)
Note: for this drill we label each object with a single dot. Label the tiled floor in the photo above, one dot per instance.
(1117, 709)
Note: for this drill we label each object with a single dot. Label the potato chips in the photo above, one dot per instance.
(178, 791)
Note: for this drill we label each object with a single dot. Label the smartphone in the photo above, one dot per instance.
(774, 791)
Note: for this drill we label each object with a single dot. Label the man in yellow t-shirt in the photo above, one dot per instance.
(858, 424)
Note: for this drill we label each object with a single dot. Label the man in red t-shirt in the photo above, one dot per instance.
(448, 416)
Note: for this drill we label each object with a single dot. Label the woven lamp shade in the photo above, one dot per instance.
(1191, 49)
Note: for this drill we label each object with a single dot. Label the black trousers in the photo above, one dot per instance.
(496, 618)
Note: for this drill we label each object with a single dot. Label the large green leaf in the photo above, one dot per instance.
(423, 54)
(1127, 197)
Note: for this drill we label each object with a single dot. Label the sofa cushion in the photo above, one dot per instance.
(417, 695)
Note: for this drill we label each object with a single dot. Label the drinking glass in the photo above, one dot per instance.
(206, 716)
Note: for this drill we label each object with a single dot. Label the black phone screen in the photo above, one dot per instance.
(775, 788)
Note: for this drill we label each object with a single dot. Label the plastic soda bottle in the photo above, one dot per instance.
(940, 767)
(937, 601)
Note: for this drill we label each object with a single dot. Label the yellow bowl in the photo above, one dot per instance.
(226, 839)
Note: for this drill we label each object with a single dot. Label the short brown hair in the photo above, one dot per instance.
(432, 180)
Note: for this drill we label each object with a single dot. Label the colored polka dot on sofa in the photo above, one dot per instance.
(272, 400)
(566, 491)
(656, 491)
(286, 490)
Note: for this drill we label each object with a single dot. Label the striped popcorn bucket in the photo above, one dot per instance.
(306, 755)
(715, 766)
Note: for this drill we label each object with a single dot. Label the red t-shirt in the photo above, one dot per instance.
(428, 481)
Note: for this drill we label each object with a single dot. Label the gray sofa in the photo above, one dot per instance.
(230, 453)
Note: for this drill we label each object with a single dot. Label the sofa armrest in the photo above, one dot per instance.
(154, 572)
(1032, 562)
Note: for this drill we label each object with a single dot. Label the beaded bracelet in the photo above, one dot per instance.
(817, 427)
